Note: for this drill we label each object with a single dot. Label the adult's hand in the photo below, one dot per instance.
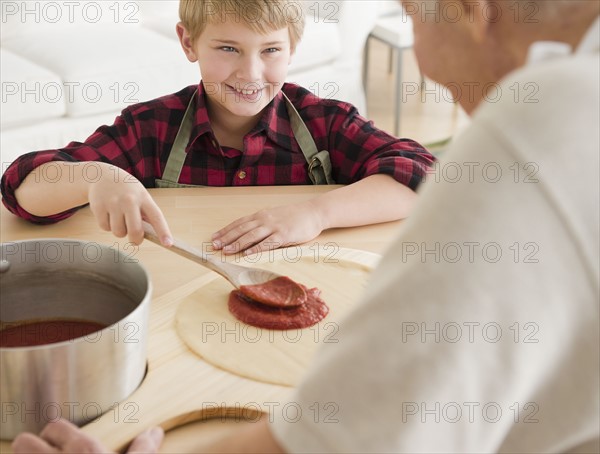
(64, 437)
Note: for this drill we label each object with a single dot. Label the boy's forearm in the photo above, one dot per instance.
(375, 199)
(56, 186)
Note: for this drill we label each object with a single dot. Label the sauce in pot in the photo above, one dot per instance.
(42, 332)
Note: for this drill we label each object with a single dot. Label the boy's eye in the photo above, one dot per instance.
(272, 50)
(227, 48)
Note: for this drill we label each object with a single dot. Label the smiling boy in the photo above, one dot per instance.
(242, 125)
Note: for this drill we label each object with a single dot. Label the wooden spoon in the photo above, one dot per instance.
(236, 274)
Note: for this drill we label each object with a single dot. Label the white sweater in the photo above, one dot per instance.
(480, 329)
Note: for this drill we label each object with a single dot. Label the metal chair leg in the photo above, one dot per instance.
(398, 93)
(365, 74)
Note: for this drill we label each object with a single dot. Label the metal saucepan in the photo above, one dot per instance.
(79, 379)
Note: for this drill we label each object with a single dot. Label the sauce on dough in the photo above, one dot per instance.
(278, 292)
(260, 315)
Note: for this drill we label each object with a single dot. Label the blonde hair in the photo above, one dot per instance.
(261, 16)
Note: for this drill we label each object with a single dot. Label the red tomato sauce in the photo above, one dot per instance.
(254, 313)
(278, 292)
(30, 334)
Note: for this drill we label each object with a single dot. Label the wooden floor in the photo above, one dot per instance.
(426, 116)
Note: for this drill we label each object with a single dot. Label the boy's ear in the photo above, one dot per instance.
(186, 42)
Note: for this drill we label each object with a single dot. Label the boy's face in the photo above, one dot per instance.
(242, 70)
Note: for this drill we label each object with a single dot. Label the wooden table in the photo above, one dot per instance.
(193, 215)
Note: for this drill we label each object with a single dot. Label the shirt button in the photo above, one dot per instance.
(242, 175)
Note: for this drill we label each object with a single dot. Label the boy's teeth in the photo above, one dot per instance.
(246, 92)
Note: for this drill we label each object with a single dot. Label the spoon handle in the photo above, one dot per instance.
(228, 270)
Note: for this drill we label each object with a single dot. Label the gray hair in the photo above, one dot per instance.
(555, 7)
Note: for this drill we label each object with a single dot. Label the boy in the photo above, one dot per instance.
(240, 126)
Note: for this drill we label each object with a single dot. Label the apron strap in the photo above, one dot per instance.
(177, 154)
(319, 163)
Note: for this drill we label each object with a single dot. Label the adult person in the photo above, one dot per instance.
(479, 330)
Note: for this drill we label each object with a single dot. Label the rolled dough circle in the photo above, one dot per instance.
(207, 327)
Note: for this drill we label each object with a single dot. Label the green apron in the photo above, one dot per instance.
(319, 164)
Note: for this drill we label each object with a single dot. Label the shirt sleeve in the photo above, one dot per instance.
(117, 144)
(358, 149)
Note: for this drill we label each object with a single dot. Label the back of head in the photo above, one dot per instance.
(545, 12)
(553, 7)
(261, 16)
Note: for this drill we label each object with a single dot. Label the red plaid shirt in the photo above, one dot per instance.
(142, 136)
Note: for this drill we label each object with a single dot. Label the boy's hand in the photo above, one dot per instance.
(120, 202)
(270, 229)
(63, 437)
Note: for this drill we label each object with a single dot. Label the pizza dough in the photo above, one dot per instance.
(281, 357)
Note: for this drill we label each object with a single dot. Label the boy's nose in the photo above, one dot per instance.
(250, 70)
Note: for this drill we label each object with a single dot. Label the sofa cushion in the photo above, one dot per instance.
(320, 45)
(107, 68)
(20, 18)
(29, 92)
(49, 134)
(161, 16)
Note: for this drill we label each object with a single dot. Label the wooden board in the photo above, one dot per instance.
(180, 387)
(197, 436)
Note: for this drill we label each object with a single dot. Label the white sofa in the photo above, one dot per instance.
(69, 66)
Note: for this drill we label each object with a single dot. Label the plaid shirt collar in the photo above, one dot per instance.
(270, 123)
